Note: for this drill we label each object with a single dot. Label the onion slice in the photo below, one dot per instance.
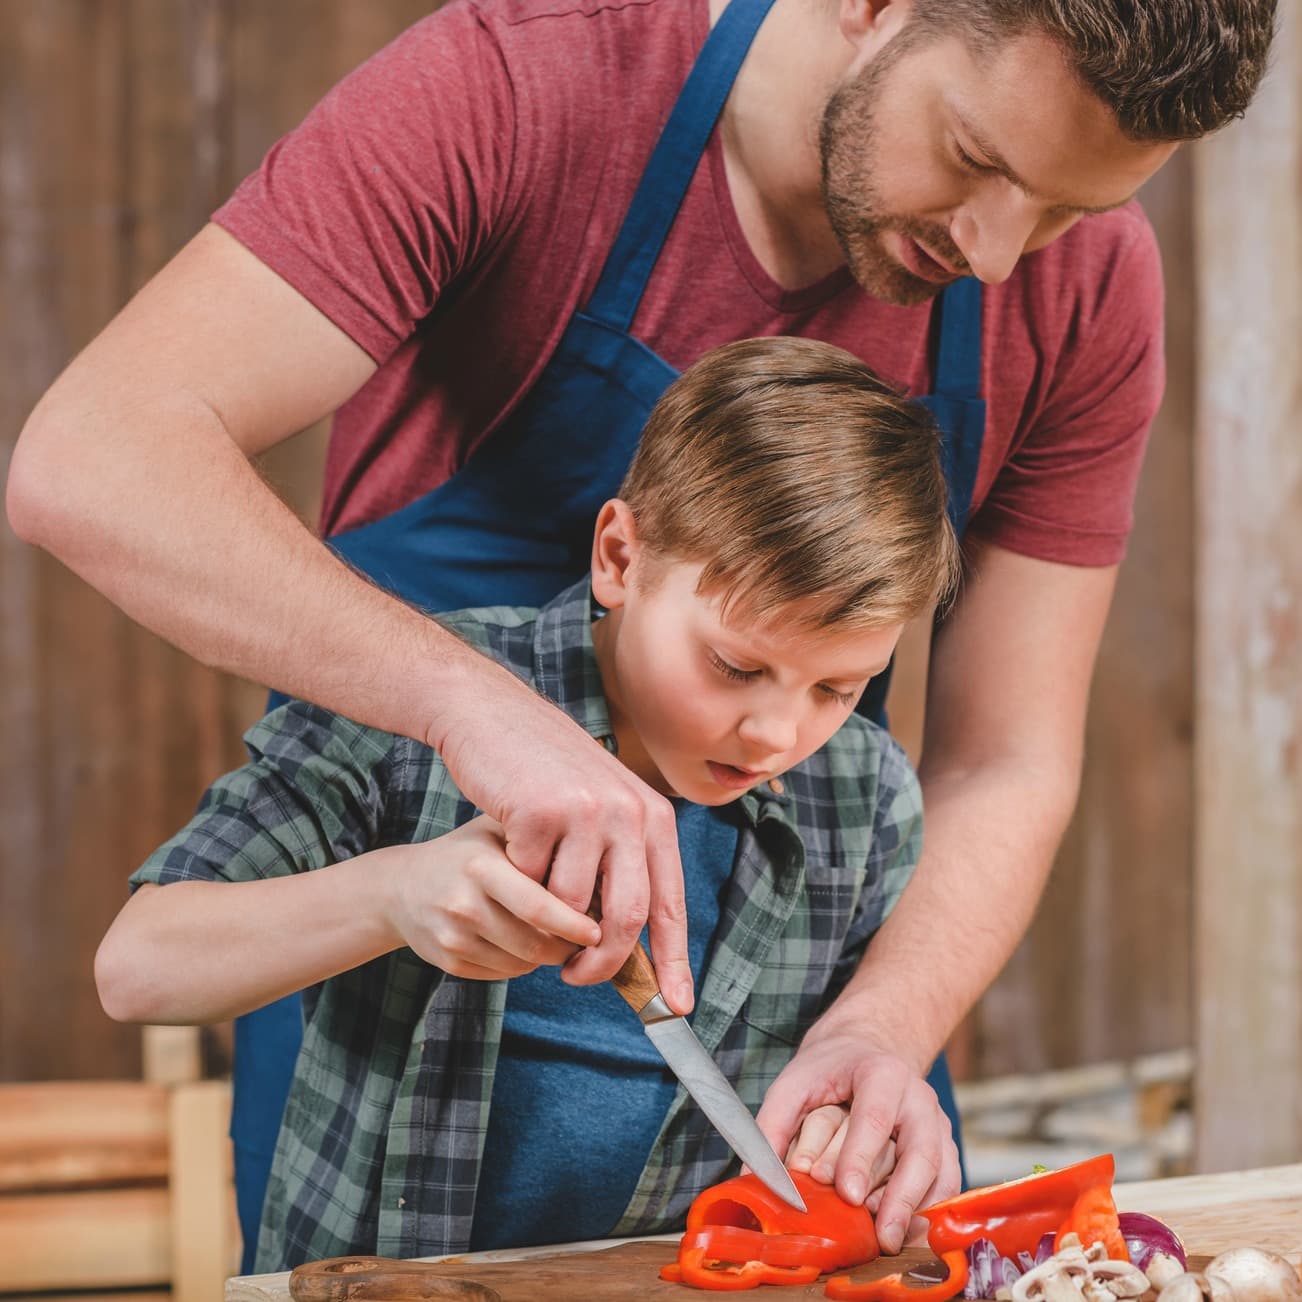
(988, 1271)
(1146, 1236)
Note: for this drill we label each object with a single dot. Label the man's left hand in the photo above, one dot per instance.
(887, 1106)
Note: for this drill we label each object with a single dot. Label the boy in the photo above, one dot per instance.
(783, 518)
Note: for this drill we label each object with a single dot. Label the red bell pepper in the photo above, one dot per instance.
(1014, 1216)
(740, 1235)
(893, 1288)
(1094, 1219)
(732, 1243)
(745, 1202)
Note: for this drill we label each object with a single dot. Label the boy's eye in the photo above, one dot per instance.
(731, 671)
(842, 698)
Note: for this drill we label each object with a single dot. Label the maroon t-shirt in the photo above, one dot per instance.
(450, 204)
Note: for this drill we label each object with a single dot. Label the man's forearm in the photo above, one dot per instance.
(209, 558)
(990, 840)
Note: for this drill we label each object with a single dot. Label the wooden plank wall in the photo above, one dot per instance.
(124, 123)
(1248, 923)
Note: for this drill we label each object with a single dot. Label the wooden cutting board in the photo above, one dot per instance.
(1211, 1213)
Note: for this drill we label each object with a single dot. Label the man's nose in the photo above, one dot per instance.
(992, 230)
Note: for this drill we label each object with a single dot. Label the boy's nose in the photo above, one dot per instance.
(768, 734)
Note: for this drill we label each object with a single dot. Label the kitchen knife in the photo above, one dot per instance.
(700, 1076)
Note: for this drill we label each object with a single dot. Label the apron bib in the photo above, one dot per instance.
(514, 525)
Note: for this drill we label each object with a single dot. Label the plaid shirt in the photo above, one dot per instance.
(383, 1133)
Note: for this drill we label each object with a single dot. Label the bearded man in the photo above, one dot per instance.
(488, 251)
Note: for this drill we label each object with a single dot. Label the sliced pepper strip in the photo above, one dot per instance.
(1094, 1219)
(893, 1288)
(1015, 1215)
(697, 1268)
(733, 1243)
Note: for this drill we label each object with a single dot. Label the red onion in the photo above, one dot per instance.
(1146, 1236)
(988, 1271)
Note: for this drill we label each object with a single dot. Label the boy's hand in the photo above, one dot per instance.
(870, 1117)
(574, 817)
(463, 906)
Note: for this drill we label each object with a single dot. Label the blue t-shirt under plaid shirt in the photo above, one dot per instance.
(382, 1140)
(579, 1091)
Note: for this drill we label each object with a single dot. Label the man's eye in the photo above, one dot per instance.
(971, 164)
(731, 671)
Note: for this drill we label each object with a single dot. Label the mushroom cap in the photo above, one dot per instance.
(1256, 1275)
(1186, 1287)
(1161, 1270)
(1120, 1278)
(1070, 1265)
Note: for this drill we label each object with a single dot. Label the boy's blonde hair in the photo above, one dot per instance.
(796, 477)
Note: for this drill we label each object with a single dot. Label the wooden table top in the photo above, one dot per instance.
(1209, 1212)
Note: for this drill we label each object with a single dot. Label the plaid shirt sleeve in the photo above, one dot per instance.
(316, 790)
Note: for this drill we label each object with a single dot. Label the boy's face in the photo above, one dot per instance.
(705, 708)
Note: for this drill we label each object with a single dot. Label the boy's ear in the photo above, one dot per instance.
(614, 550)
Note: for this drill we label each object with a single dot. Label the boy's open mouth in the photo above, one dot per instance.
(729, 775)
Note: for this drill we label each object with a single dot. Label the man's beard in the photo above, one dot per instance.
(847, 139)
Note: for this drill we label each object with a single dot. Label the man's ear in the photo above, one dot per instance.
(614, 549)
(867, 21)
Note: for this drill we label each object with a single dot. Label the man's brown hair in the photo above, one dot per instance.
(1168, 69)
(796, 477)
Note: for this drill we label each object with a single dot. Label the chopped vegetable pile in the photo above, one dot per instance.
(1054, 1236)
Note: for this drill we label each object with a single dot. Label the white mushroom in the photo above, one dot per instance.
(1256, 1275)
(1119, 1278)
(1161, 1270)
(1192, 1287)
(1060, 1279)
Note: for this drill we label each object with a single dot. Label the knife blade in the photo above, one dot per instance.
(699, 1074)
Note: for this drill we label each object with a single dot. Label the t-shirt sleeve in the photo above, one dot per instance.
(393, 184)
(1067, 492)
(317, 790)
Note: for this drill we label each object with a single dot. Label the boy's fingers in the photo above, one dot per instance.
(818, 1130)
(534, 909)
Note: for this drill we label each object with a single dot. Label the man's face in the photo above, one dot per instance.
(705, 708)
(939, 161)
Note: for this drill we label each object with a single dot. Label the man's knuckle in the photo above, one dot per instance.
(671, 909)
(877, 1120)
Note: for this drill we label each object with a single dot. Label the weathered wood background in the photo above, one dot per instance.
(124, 123)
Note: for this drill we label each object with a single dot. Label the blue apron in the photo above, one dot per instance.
(514, 526)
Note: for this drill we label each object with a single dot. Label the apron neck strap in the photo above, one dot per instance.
(673, 163)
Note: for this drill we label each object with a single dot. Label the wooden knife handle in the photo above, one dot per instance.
(380, 1279)
(636, 980)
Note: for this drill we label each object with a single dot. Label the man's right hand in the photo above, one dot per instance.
(574, 818)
